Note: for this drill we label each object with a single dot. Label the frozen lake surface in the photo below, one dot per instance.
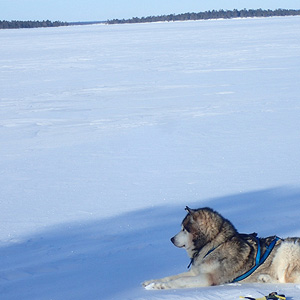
(108, 132)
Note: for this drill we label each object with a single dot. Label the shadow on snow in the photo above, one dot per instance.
(101, 259)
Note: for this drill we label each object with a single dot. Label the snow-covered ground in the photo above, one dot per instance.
(108, 132)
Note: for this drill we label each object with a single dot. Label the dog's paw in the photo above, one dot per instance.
(149, 286)
(154, 285)
(147, 282)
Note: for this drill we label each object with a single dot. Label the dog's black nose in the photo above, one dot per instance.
(173, 240)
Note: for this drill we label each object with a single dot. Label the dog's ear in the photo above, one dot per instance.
(191, 211)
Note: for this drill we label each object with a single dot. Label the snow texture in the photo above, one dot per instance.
(108, 132)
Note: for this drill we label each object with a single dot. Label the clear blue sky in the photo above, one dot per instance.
(98, 10)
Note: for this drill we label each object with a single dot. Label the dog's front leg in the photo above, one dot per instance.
(184, 280)
(169, 278)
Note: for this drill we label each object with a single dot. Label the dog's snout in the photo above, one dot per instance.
(173, 240)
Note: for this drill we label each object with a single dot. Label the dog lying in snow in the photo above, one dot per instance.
(219, 254)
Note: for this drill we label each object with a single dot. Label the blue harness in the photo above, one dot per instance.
(259, 259)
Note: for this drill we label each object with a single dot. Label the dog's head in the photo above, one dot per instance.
(199, 227)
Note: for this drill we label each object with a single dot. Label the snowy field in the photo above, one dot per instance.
(108, 132)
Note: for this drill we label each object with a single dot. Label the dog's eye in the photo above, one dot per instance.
(183, 229)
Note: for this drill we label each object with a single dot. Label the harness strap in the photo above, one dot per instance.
(197, 253)
(259, 260)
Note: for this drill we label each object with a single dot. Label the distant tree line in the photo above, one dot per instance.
(214, 14)
(30, 24)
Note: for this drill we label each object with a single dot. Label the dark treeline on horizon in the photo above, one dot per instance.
(214, 14)
(30, 24)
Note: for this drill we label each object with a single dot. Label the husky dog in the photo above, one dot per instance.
(219, 254)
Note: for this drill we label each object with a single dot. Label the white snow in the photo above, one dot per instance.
(108, 132)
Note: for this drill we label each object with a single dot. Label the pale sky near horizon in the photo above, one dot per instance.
(101, 10)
